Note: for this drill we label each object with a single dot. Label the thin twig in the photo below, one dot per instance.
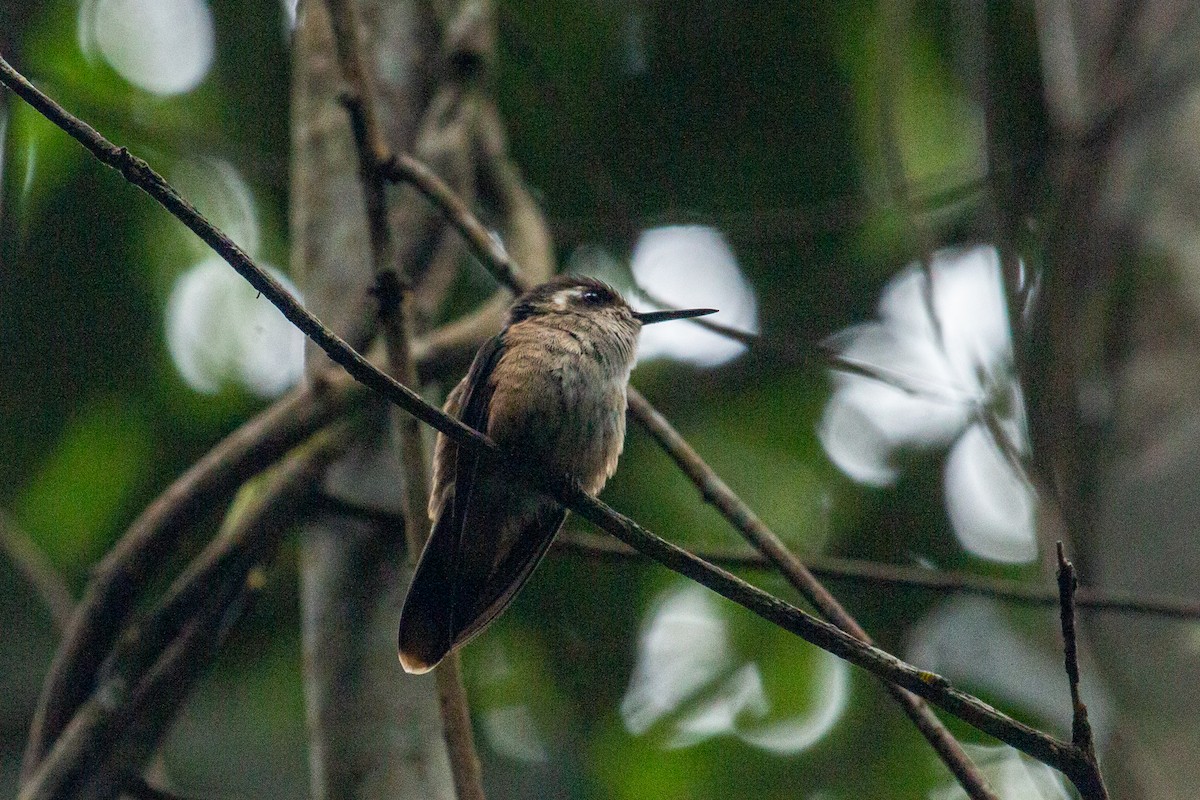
(456, 729)
(525, 232)
(822, 353)
(403, 168)
(367, 138)
(374, 153)
(1007, 192)
(875, 573)
(936, 689)
(371, 145)
(1067, 581)
(871, 573)
(1081, 729)
(38, 570)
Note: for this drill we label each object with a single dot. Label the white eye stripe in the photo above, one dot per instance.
(563, 298)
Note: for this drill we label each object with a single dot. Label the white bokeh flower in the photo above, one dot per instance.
(165, 47)
(220, 330)
(936, 371)
(690, 685)
(691, 266)
(1011, 774)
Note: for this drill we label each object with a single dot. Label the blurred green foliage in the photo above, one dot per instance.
(762, 119)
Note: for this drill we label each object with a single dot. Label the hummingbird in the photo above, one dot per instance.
(550, 391)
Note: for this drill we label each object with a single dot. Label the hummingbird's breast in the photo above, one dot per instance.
(560, 397)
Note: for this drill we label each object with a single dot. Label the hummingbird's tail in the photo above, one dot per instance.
(471, 570)
(426, 621)
(421, 645)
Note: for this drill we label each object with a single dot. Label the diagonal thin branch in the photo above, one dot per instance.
(403, 168)
(1060, 755)
(138, 172)
(756, 532)
(934, 688)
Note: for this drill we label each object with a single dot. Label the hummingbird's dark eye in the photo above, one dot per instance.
(591, 297)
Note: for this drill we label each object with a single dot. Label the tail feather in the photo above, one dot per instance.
(466, 578)
(426, 622)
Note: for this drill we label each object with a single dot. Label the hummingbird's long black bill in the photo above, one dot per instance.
(651, 317)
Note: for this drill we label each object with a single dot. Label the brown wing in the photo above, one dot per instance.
(500, 551)
(427, 621)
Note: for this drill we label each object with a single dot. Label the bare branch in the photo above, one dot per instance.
(139, 173)
(756, 532)
(1081, 730)
(456, 728)
(525, 230)
(397, 325)
(489, 250)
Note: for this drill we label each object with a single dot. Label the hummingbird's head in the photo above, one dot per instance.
(591, 303)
